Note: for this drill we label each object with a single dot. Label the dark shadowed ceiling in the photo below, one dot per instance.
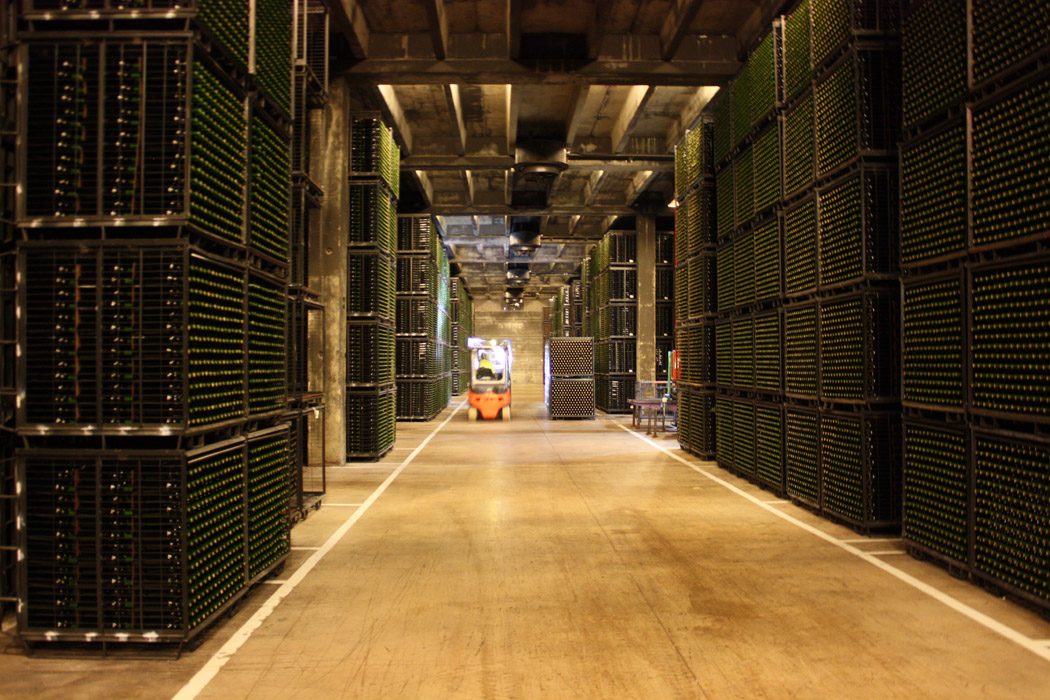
(474, 87)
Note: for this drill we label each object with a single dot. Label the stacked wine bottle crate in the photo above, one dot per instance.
(806, 338)
(561, 313)
(8, 335)
(568, 377)
(576, 314)
(695, 305)
(424, 349)
(371, 307)
(462, 313)
(152, 315)
(614, 318)
(305, 311)
(975, 253)
(735, 285)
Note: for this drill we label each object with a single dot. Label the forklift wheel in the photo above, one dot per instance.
(472, 414)
(505, 413)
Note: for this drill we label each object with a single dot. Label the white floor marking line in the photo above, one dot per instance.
(205, 675)
(275, 582)
(977, 616)
(304, 549)
(776, 503)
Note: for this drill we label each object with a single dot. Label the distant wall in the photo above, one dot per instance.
(524, 328)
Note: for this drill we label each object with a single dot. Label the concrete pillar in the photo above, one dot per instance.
(331, 283)
(315, 365)
(646, 260)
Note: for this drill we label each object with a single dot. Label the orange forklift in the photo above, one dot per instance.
(489, 393)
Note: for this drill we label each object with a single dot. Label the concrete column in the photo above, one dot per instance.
(315, 362)
(646, 352)
(331, 282)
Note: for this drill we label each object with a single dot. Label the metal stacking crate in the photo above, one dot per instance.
(860, 473)
(115, 321)
(570, 357)
(857, 107)
(769, 446)
(370, 285)
(858, 227)
(221, 25)
(933, 207)
(802, 352)
(1008, 137)
(935, 59)
(1007, 39)
(370, 360)
(798, 51)
(195, 177)
(766, 76)
(860, 347)
(269, 187)
(696, 421)
(800, 159)
(802, 448)
(570, 397)
(370, 422)
(373, 216)
(307, 478)
(420, 399)
(569, 384)
(1010, 537)
(612, 391)
(1009, 357)
(800, 249)
(373, 153)
(147, 545)
(937, 512)
(696, 347)
(935, 342)
(306, 332)
(271, 56)
(838, 24)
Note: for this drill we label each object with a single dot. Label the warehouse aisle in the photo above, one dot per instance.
(543, 559)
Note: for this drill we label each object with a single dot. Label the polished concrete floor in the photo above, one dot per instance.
(571, 559)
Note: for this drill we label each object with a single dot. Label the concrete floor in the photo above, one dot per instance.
(541, 559)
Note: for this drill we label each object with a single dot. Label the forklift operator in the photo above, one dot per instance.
(485, 369)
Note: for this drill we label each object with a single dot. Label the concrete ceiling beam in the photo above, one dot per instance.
(455, 108)
(438, 27)
(394, 116)
(454, 209)
(613, 162)
(690, 116)
(349, 19)
(639, 184)
(594, 184)
(627, 119)
(676, 26)
(488, 71)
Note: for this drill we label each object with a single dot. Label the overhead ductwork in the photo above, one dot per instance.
(524, 236)
(518, 273)
(537, 165)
